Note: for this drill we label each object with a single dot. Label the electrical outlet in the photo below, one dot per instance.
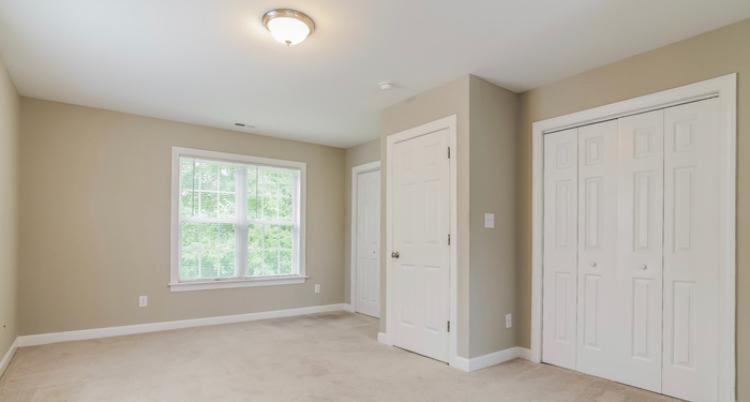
(142, 301)
(508, 320)
(317, 288)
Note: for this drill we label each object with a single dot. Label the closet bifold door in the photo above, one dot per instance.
(598, 331)
(560, 248)
(639, 252)
(691, 251)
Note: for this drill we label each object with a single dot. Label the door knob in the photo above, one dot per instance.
(644, 267)
(395, 254)
(593, 264)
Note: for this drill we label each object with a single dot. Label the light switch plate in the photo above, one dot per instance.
(508, 320)
(142, 301)
(489, 220)
(317, 288)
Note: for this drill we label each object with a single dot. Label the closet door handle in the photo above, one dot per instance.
(592, 264)
(644, 267)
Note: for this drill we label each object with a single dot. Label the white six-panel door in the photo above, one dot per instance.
(640, 224)
(598, 311)
(691, 251)
(367, 270)
(631, 250)
(560, 248)
(421, 255)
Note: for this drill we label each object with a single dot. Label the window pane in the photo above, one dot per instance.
(252, 192)
(208, 205)
(287, 190)
(186, 173)
(187, 196)
(187, 203)
(267, 194)
(207, 175)
(207, 189)
(226, 206)
(226, 178)
(206, 251)
(270, 250)
(275, 190)
(285, 262)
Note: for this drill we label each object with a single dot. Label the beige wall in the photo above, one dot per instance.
(95, 220)
(493, 115)
(447, 100)
(8, 211)
(716, 53)
(355, 156)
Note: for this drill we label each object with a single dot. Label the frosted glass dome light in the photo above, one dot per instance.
(290, 27)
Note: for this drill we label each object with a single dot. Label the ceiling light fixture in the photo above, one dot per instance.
(287, 26)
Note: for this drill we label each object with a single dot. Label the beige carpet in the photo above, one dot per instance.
(325, 357)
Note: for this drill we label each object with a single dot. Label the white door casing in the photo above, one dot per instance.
(639, 251)
(597, 249)
(560, 255)
(691, 251)
(365, 264)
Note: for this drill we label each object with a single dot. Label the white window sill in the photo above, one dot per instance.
(236, 283)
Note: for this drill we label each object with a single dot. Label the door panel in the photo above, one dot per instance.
(598, 336)
(691, 253)
(560, 248)
(420, 235)
(368, 243)
(639, 251)
(632, 250)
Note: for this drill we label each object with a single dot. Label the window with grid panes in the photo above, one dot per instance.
(238, 219)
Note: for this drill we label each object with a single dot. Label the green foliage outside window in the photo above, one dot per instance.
(210, 222)
(207, 251)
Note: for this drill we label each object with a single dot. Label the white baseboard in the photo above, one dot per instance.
(348, 307)
(480, 362)
(491, 359)
(383, 338)
(5, 362)
(43, 339)
(460, 363)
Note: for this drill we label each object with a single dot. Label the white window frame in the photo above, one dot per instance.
(177, 285)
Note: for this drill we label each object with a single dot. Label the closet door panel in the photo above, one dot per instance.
(598, 311)
(640, 244)
(560, 248)
(691, 252)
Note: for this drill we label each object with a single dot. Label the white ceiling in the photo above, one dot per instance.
(211, 62)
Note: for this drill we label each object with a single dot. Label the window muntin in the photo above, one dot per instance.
(237, 220)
